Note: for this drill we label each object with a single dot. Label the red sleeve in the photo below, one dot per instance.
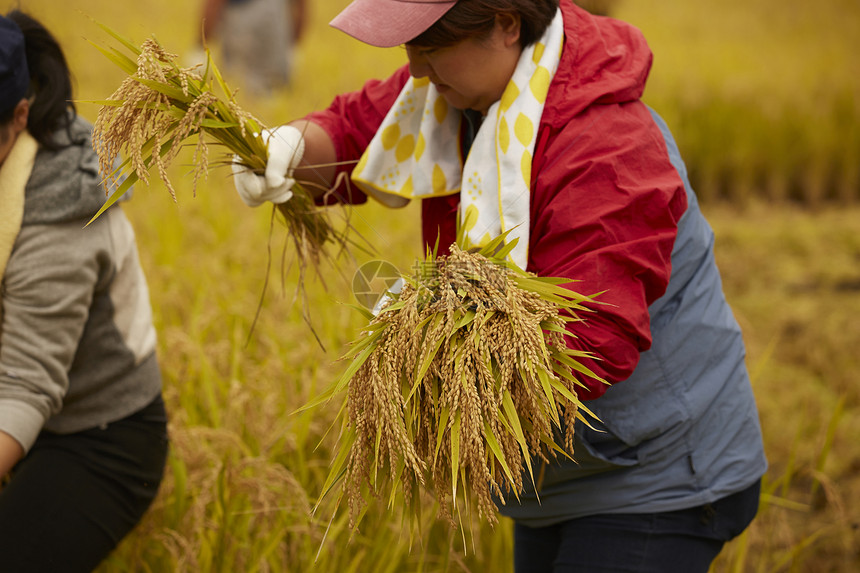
(604, 212)
(352, 120)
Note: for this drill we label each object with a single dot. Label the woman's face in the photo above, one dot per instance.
(471, 74)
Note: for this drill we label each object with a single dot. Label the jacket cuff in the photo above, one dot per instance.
(21, 421)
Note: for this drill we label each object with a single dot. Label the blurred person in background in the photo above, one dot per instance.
(83, 434)
(258, 39)
(529, 113)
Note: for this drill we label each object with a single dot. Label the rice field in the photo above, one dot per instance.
(763, 99)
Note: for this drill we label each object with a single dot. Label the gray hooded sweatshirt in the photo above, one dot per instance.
(77, 343)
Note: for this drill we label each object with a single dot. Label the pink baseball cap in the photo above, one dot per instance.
(389, 23)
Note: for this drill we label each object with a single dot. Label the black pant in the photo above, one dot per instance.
(684, 541)
(75, 496)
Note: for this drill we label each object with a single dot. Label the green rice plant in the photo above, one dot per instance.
(457, 384)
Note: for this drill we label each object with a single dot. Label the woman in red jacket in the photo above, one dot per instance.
(528, 114)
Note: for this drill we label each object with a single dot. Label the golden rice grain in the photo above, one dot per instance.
(456, 386)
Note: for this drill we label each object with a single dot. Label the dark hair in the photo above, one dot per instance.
(4, 133)
(50, 82)
(6, 117)
(476, 18)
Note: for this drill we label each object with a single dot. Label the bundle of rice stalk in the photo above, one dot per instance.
(160, 105)
(457, 385)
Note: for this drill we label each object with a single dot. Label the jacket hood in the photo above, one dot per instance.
(65, 184)
(604, 61)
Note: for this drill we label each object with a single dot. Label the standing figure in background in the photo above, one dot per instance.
(83, 428)
(258, 39)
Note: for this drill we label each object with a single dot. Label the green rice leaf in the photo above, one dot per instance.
(576, 365)
(550, 443)
(424, 322)
(551, 280)
(103, 102)
(549, 292)
(562, 389)
(467, 319)
(553, 327)
(511, 411)
(339, 416)
(119, 38)
(376, 453)
(398, 473)
(469, 219)
(353, 368)
(579, 416)
(442, 428)
(218, 124)
(489, 249)
(216, 73)
(431, 354)
(459, 513)
(490, 438)
(122, 61)
(115, 196)
(565, 372)
(362, 311)
(394, 306)
(415, 385)
(338, 466)
(375, 325)
(455, 456)
(168, 90)
(318, 400)
(547, 389)
(513, 420)
(364, 342)
(503, 252)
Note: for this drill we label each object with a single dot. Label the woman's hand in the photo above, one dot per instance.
(286, 147)
(10, 452)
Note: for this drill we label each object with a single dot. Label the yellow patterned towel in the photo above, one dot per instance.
(14, 174)
(415, 152)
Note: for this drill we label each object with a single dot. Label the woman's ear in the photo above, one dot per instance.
(509, 24)
(20, 116)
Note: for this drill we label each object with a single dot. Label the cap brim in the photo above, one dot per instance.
(389, 23)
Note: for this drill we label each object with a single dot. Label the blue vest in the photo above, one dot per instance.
(683, 430)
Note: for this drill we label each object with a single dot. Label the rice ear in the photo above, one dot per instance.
(160, 105)
(469, 369)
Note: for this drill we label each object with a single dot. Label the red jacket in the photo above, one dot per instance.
(606, 200)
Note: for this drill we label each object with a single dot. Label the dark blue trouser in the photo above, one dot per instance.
(74, 497)
(684, 541)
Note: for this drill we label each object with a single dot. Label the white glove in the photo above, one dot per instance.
(285, 147)
(387, 297)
